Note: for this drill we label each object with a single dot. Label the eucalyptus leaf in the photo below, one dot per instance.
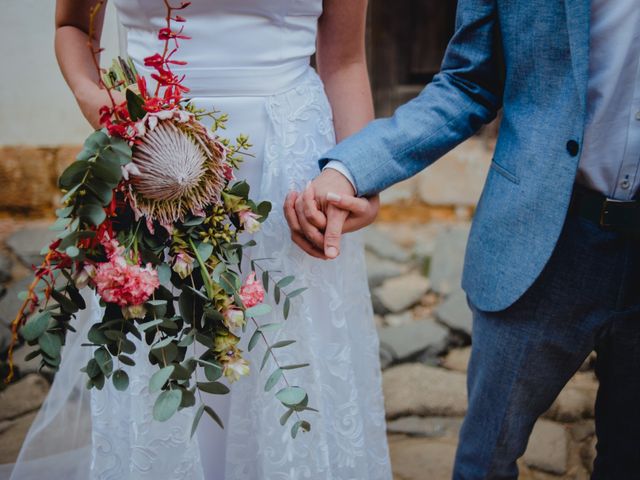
(265, 281)
(295, 367)
(254, 339)
(120, 380)
(214, 388)
(211, 412)
(147, 325)
(196, 419)
(164, 273)
(159, 378)
(105, 362)
(205, 250)
(167, 404)
(258, 310)
(127, 360)
(273, 379)
(291, 396)
(50, 344)
(283, 343)
(286, 281)
(286, 308)
(285, 417)
(35, 326)
(297, 292)
(92, 213)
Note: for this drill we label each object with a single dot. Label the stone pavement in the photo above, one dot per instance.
(414, 255)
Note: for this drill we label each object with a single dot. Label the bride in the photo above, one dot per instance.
(250, 59)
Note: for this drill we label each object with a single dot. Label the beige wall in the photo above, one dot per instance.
(36, 108)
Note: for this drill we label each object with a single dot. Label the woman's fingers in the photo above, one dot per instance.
(290, 212)
(312, 234)
(307, 247)
(311, 211)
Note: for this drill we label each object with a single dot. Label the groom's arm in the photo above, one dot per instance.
(466, 94)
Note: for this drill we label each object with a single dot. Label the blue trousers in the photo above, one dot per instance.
(588, 297)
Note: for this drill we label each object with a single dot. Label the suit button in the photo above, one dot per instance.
(573, 148)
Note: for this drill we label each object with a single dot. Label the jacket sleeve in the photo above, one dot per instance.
(466, 94)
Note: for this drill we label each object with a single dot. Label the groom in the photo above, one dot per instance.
(553, 260)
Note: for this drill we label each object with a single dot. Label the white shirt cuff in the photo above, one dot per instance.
(341, 167)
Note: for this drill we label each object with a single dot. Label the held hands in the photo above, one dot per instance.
(325, 210)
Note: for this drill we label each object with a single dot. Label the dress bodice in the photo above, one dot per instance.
(256, 35)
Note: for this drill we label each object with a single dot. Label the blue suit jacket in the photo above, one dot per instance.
(529, 57)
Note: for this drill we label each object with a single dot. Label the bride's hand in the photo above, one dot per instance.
(92, 98)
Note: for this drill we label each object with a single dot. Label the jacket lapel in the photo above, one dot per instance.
(578, 24)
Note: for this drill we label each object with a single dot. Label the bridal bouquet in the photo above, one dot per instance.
(151, 220)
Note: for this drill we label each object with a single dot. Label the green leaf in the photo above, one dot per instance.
(167, 404)
(158, 379)
(147, 325)
(297, 292)
(291, 396)
(158, 307)
(205, 250)
(35, 326)
(196, 419)
(296, 366)
(126, 360)
(67, 304)
(93, 369)
(283, 343)
(271, 327)
(273, 379)
(213, 415)
(300, 424)
(73, 251)
(214, 388)
(286, 308)
(265, 281)
(96, 141)
(96, 336)
(194, 222)
(105, 362)
(135, 105)
(276, 294)
(162, 343)
(50, 344)
(258, 310)
(103, 191)
(73, 174)
(164, 273)
(254, 339)
(92, 213)
(286, 281)
(265, 359)
(213, 372)
(109, 172)
(122, 148)
(120, 380)
(285, 417)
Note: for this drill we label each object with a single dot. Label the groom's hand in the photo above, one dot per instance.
(324, 211)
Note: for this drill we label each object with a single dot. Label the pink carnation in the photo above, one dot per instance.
(125, 284)
(252, 292)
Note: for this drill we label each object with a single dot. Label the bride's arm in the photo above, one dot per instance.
(74, 55)
(342, 64)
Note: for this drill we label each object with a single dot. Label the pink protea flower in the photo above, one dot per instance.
(252, 292)
(124, 284)
(249, 221)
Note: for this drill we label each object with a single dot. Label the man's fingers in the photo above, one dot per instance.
(290, 212)
(332, 235)
(307, 247)
(311, 211)
(357, 206)
(307, 229)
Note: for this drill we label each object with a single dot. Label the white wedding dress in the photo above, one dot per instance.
(250, 59)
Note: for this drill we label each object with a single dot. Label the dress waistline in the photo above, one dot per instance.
(238, 82)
